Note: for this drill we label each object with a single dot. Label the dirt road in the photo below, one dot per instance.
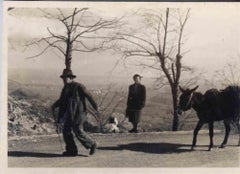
(162, 149)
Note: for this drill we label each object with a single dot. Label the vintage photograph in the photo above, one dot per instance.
(122, 85)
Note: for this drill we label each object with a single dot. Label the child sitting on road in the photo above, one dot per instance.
(112, 125)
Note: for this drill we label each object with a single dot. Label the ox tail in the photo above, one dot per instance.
(232, 101)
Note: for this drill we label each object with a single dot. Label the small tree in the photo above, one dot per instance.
(229, 74)
(109, 103)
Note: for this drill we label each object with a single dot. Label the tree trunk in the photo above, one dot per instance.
(68, 57)
(175, 123)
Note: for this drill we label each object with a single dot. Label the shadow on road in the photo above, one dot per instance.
(36, 154)
(158, 148)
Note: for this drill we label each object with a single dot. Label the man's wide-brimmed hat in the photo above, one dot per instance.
(67, 73)
(137, 75)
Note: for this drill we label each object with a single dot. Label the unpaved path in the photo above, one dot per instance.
(161, 149)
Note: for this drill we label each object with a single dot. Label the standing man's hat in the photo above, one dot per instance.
(137, 75)
(67, 73)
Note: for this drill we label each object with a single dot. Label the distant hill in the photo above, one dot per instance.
(36, 78)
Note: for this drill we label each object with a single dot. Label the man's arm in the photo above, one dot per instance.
(89, 97)
(57, 104)
(143, 96)
(128, 102)
(59, 101)
(128, 99)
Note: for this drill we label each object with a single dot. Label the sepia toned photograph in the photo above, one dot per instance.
(122, 85)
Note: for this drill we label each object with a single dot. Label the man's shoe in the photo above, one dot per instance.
(93, 149)
(133, 131)
(136, 131)
(69, 153)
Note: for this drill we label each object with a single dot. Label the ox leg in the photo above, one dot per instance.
(197, 128)
(210, 124)
(238, 127)
(227, 131)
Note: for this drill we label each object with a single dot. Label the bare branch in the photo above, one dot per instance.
(105, 96)
(151, 66)
(171, 51)
(100, 24)
(39, 54)
(165, 33)
(161, 81)
(36, 42)
(78, 23)
(84, 45)
(116, 106)
(47, 47)
(73, 17)
(178, 56)
(53, 44)
(47, 14)
(159, 37)
(138, 45)
(75, 13)
(62, 19)
(182, 24)
(140, 39)
(166, 71)
(86, 51)
(57, 36)
(61, 13)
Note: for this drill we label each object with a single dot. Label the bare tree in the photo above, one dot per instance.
(229, 74)
(109, 104)
(159, 41)
(83, 32)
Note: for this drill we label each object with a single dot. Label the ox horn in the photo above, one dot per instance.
(181, 89)
(192, 90)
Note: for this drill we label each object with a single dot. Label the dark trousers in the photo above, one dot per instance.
(134, 115)
(77, 128)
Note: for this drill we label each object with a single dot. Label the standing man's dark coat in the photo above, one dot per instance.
(136, 97)
(135, 102)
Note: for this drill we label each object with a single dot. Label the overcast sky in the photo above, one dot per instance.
(213, 35)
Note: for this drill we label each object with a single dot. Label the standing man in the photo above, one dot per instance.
(135, 102)
(72, 113)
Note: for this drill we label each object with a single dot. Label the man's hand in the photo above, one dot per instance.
(126, 113)
(53, 113)
(59, 127)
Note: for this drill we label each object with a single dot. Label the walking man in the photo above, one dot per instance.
(135, 102)
(72, 113)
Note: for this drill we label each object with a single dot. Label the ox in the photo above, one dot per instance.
(212, 106)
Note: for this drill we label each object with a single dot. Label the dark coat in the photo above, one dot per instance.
(78, 92)
(136, 97)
